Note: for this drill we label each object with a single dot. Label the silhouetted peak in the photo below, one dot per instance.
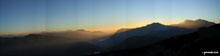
(196, 21)
(33, 35)
(80, 30)
(201, 20)
(155, 24)
(195, 24)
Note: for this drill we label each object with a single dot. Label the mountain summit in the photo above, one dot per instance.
(194, 24)
(155, 24)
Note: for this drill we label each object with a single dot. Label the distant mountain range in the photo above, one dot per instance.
(194, 24)
(147, 40)
(190, 24)
(193, 44)
(46, 39)
(152, 31)
(132, 38)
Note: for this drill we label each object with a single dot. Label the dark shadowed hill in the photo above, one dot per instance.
(193, 44)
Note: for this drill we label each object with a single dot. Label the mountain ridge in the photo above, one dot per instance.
(153, 29)
(193, 44)
(194, 24)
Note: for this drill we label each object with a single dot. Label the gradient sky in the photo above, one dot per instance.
(22, 16)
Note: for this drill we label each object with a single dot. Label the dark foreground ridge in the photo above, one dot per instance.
(193, 44)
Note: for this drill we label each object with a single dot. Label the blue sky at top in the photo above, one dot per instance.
(18, 16)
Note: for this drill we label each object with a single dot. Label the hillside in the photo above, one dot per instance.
(205, 39)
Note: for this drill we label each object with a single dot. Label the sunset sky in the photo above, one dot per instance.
(25, 16)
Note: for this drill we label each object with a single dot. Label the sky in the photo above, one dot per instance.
(27, 16)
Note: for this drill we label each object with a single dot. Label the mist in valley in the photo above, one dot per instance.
(82, 42)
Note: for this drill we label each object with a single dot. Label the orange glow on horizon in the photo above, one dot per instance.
(108, 29)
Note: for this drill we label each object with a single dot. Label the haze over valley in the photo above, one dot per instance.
(83, 42)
